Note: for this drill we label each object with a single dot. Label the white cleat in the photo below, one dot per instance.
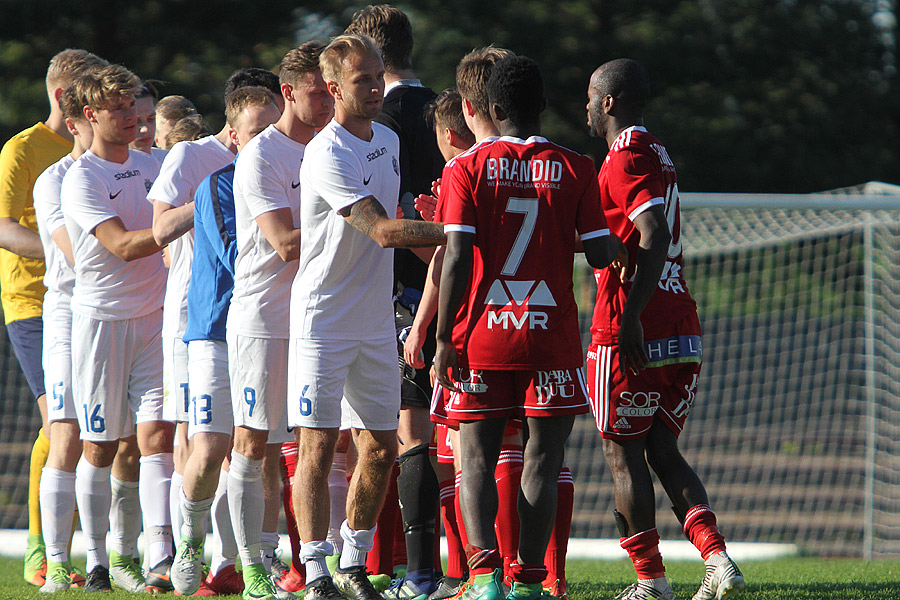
(723, 579)
(648, 589)
(187, 568)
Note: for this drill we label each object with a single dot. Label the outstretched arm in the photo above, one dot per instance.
(368, 216)
(170, 222)
(127, 245)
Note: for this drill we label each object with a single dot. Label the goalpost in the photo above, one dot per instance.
(796, 426)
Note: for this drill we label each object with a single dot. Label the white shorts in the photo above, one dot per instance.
(258, 372)
(365, 373)
(57, 361)
(210, 408)
(117, 371)
(176, 393)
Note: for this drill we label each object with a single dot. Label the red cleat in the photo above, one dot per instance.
(204, 590)
(227, 581)
(293, 581)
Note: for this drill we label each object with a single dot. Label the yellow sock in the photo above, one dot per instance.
(39, 453)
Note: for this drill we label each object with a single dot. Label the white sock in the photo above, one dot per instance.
(175, 505)
(357, 542)
(246, 501)
(156, 477)
(124, 526)
(268, 545)
(57, 496)
(194, 514)
(93, 493)
(224, 546)
(337, 488)
(313, 554)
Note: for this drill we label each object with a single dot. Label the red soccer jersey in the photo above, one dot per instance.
(636, 175)
(523, 200)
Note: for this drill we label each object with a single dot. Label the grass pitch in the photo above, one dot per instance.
(783, 579)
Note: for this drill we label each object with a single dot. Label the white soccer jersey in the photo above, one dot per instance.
(59, 277)
(158, 153)
(94, 191)
(183, 168)
(266, 178)
(344, 285)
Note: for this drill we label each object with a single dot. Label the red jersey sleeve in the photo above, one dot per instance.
(634, 181)
(458, 201)
(589, 218)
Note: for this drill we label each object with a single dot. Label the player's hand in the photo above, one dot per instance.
(619, 264)
(631, 346)
(412, 349)
(426, 206)
(445, 359)
(399, 212)
(432, 375)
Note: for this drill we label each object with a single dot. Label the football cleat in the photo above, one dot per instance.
(159, 578)
(557, 590)
(98, 580)
(125, 574)
(292, 581)
(648, 589)
(226, 582)
(258, 583)
(379, 581)
(445, 590)
(404, 589)
(323, 588)
(35, 567)
(525, 591)
(187, 567)
(485, 587)
(354, 584)
(723, 578)
(57, 578)
(76, 577)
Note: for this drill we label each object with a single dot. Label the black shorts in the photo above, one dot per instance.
(27, 337)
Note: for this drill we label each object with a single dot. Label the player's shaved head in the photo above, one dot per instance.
(341, 47)
(626, 81)
(299, 62)
(517, 87)
(391, 29)
(473, 73)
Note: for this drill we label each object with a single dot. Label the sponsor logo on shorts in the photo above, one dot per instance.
(637, 404)
(471, 382)
(553, 384)
(675, 349)
(622, 424)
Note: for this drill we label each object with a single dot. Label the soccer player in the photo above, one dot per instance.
(256, 76)
(24, 157)
(146, 122)
(645, 342)
(116, 314)
(189, 129)
(267, 213)
(513, 206)
(170, 110)
(248, 110)
(343, 340)
(405, 99)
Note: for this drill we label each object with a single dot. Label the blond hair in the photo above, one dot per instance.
(188, 129)
(69, 64)
(99, 88)
(333, 55)
(174, 108)
(473, 73)
(298, 62)
(247, 97)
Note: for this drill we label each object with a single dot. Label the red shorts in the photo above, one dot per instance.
(444, 446)
(625, 406)
(496, 394)
(439, 400)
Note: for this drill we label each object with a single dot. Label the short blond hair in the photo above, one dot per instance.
(298, 62)
(246, 97)
(188, 129)
(98, 88)
(69, 64)
(174, 108)
(333, 55)
(473, 73)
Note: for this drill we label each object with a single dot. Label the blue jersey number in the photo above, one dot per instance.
(202, 409)
(93, 421)
(305, 403)
(187, 397)
(58, 394)
(250, 399)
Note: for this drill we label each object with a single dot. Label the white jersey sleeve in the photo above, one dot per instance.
(339, 176)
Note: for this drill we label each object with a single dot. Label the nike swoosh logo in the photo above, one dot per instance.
(366, 180)
(295, 185)
(113, 196)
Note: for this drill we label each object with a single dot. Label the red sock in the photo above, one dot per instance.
(288, 468)
(482, 561)
(555, 558)
(643, 550)
(380, 559)
(463, 536)
(527, 573)
(398, 556)
(700, 527)
(456, 555)
(508, 476)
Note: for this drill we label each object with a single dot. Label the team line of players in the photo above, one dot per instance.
(309, 340)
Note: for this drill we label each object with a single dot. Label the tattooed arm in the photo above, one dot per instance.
(369, 216)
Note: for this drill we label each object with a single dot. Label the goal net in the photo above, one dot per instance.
(796, 425)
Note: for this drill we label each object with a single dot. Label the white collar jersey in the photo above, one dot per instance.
(94, 191)
(344, 286)
(158, 153)
(183, 168)
(59, 277)
(266, 178)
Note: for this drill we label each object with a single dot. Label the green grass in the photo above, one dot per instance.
(783, 579)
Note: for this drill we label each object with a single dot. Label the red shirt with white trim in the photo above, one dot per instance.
(523, 200)
(637, 174)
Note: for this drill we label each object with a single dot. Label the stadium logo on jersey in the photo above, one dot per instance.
(373, 155)
(127, 174)
(395, 164)
(470, 382)
(557, 383)
(638, 404)
(535, 171)
(148, 184)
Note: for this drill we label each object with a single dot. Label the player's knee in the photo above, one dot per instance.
(621, 455)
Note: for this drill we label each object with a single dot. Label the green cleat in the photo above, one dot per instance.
(35, 571)
(125, 574)
(257, 583)
(525, 591)
(57, 579)
(485, 587)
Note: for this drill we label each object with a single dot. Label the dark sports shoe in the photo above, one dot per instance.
(159, 578)
(445, 590)
(98, 580)
(354, 584)
(322, 589)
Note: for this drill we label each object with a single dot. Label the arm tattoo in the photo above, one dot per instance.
(369, 217)
(364, 214)
(421, 234)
